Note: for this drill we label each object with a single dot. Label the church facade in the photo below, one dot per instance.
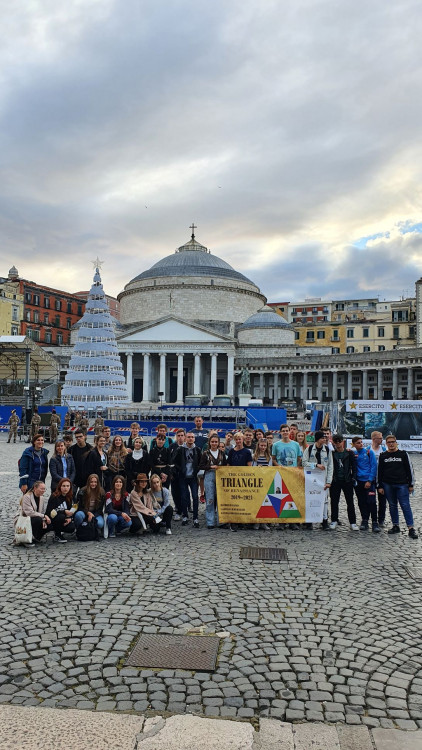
(191, 322)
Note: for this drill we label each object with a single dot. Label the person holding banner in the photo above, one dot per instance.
(396, 480)
(238, 456)
(318, 456)
(210, 459)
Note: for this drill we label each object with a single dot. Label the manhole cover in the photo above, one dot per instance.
(263, 553)
(415, 573)
(175, 652)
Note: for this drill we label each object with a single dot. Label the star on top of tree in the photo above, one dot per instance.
(97, 263)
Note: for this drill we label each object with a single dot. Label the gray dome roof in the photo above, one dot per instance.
(265, 318)
(192, 259)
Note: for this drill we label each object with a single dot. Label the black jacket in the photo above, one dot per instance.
(180, 460)
(160, 461)
(349, 466)
(134, 467)
(56, 470)
(93, 465)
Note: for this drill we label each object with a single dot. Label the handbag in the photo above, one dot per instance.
(23, 530)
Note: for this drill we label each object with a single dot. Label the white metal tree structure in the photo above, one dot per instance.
(95, 378)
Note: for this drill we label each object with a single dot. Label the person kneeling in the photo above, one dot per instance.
(117, 507)
(160, 504)
(61, 510)
(91, 503)
(140, 505)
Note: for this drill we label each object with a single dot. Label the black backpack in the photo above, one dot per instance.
(87, 531)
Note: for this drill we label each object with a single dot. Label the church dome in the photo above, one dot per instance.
(272, 328)
(193, 276)
(265, 318)
(192, 259)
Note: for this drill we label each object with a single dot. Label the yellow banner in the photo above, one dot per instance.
(261, 494)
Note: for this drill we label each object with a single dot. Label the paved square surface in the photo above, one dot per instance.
(333, 634)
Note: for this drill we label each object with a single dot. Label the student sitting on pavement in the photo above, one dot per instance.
(91, 503)
(61, 510)
(33, 506)
(117, 507)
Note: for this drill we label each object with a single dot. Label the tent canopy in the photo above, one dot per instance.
(13, 351)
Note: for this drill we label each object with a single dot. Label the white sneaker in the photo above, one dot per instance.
(354, 527)
(168, 532)
(176, 517)
(333, 525)
(265, 526)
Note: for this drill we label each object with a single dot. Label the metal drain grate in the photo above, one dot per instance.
(263, 553)
(175, 652)
(415, 573)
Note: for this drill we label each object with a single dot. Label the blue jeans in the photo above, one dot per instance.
(185, 483)
(398, 493)
(117, 523)
(80, 516)
(211, 513)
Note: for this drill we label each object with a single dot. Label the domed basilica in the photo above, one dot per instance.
(190, 323)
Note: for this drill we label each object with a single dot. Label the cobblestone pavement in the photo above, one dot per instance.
(332, 635)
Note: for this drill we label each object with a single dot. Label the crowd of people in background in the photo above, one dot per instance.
(114, 486)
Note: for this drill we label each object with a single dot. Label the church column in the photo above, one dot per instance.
(146, 396)
(230, 374)
(349, 385)
(380, 390)
(410, 385)
(395, 382)
(197, 374)
(129, 377)
(290, 384)
(261, 385)
(162, 386)
(334, 387)
(364, 384)
(179, 379)
(319, 386)
(305, 386)
(213, 390)
(276, 388)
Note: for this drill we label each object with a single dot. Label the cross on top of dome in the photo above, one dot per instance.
(192, 244)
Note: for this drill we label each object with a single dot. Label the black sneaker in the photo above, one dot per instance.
(232, 527)
(184, 521)
(325, 525)
(412, 533)
(196, 524)
(364, 526)
(394, 530)
(376, 529)
(60, 539)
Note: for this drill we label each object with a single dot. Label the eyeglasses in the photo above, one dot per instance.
(391, 442)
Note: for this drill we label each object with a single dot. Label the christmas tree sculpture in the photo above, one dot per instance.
(95, 376)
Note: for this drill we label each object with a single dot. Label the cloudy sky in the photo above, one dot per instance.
(289, 131)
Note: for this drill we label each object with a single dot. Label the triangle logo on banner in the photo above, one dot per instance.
(289, 509)
(267, 510)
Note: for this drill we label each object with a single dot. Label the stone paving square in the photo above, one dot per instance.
(332, 635)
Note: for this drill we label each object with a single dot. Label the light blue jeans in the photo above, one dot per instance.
(117, 523)
(211, 513)
(80, 516)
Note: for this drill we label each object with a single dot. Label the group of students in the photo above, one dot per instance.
(111, 486)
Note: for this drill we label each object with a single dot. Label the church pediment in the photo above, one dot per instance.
(172, 330)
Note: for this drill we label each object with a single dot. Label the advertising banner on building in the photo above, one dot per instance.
(384, 406)
(269, 494)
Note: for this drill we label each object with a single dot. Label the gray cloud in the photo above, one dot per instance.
(287, 132)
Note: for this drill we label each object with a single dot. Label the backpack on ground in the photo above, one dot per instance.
(87, 531)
